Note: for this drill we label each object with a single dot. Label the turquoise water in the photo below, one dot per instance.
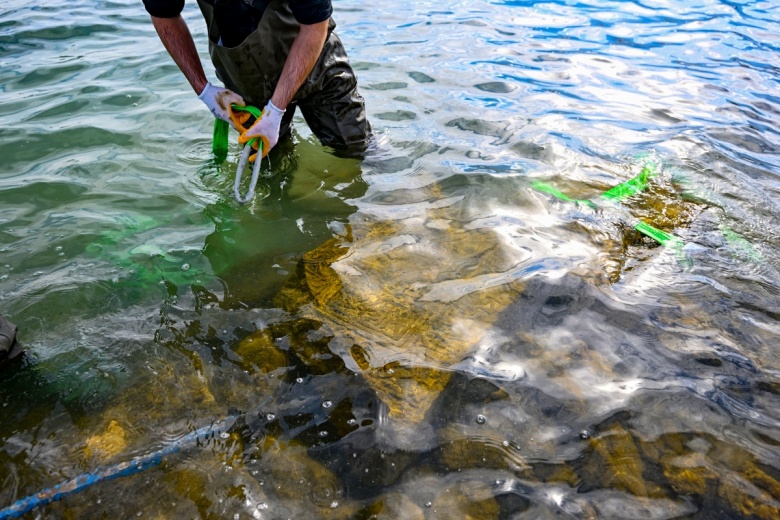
(422, 333)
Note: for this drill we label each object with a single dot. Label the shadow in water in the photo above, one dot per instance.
(303, 204)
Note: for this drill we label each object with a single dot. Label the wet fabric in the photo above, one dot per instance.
(164, 8)
(9, 346)
(329, 99)
(235, 20)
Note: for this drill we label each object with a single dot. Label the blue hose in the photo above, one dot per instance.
(122, 469)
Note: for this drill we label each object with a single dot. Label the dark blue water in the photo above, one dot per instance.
(443, 329)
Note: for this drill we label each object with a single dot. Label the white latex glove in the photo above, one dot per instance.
(266, 128)
(218, 100)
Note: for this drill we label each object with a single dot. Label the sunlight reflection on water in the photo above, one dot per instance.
(484, 347)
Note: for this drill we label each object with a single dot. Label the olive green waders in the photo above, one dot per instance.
(328, 99)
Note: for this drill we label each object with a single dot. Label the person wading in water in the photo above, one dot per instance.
(273, 54)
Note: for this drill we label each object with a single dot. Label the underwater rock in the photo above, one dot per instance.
(380, 316)
(308, 342)
(615, 462)
(721, 475)
(216, 483)
(463, 449)
(469, 502)
(369, 469)
(389, 507)
(616, 504)
(689, 474)
(111, 443)
(402, 346)
(302, 484)
(192, 487)
(743, 481)
(748, 499)
(258, 351)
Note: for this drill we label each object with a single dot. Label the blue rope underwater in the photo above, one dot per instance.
(122, 469)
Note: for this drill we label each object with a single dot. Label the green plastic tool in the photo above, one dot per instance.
(614, 196)
(219, 146)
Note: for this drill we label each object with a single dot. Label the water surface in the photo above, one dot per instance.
(424, 333)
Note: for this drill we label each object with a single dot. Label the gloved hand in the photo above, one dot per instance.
(218, 100)
(266, 128)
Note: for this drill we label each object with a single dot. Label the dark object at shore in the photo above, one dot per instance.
(10, 348)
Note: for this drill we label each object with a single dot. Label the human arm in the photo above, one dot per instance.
(175, 36)
(177, 39)
(304, 53)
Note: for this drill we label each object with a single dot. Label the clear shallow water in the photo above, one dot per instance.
(422, 333)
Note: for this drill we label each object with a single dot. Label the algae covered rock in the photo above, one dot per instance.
(107, 445)
(390, 506)
(258, 351)
(467, 500)
(461, 449)
(616, 463)
(367, 289)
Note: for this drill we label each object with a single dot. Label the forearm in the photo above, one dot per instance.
(304, 53)
(176, 37)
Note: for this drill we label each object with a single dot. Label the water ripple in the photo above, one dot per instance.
(484, 347)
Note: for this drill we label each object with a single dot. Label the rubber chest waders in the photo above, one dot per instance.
(328, 99)
(253, 68)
